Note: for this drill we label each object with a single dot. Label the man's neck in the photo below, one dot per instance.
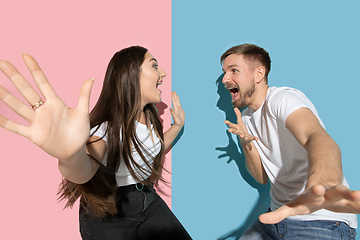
(258, 97)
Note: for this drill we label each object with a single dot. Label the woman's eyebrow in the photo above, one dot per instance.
(153, 59)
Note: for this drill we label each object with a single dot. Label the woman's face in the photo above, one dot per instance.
(151, 76)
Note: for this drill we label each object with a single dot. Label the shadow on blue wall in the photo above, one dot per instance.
(234, 153)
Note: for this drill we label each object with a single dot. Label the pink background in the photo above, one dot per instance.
(72, 41)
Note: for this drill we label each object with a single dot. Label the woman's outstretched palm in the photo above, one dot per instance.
(57, 129)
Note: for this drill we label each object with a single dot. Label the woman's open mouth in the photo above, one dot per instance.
(159, 83)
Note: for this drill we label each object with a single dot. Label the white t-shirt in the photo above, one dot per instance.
(284, 159)
(123, 176)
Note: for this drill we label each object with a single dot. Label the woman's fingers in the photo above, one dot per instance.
(16, 105)
(175, 100)
(14, 127)
(177, 112)
(39, 77)
(84, 96)
(26, 90)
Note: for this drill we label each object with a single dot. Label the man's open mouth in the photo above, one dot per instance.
(234, 91)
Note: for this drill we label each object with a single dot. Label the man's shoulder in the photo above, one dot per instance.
(282, 90)
(278, 94)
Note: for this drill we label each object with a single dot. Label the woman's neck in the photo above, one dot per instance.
(141, 118)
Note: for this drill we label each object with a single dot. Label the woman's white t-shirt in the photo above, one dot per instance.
(151, 144)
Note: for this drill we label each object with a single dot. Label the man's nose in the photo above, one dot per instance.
(226, 78)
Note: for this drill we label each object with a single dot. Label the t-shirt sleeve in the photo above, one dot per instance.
(100, 132)
(285, 102)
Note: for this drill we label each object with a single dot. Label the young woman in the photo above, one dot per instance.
(113, 170)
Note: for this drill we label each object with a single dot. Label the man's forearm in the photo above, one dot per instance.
(324, 160)
(253, 163)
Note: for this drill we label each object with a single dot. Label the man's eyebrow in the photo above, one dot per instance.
(153, 59)
(230, 66)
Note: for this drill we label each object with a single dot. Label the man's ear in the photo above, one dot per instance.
(259, 74)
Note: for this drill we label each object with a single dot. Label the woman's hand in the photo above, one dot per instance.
(177, 112)
(178, 115)
(59, 130)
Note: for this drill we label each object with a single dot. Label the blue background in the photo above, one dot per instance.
(314, 48)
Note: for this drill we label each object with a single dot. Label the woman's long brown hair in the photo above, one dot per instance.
(118, 106)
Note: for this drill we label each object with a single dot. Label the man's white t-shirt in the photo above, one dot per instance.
(284, 159)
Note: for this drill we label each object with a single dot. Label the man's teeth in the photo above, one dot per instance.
(233, 89)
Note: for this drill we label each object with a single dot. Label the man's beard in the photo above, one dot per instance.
(240, 102)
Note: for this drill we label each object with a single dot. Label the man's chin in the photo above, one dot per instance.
(237, 104)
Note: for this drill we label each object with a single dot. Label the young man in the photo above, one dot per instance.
(284, 141)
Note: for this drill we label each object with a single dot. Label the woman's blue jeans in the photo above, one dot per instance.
(296, 230)
(142, 214)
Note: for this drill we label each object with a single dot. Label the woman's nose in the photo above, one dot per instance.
(162, 73)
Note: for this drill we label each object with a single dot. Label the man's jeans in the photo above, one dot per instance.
(294, 229)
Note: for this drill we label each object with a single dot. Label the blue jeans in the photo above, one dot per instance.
(142, 215)
(295, 229)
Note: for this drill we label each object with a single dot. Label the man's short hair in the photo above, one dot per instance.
(251, 53)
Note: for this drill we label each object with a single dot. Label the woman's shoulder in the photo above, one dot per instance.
(100, 131)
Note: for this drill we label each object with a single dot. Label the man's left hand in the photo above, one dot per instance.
(337, 199)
